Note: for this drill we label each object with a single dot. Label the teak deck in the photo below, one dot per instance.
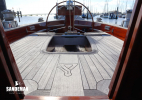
(66, 74)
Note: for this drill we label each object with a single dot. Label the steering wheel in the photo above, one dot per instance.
(73, 1)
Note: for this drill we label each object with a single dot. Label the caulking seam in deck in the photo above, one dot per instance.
(104, 53)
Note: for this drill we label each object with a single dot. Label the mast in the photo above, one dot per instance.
(126, 6)
(133, 4)
(116, 12)
(104, 8)
(90, 5)
(107, 6)
(83, 8)
(88, 8)
(120, 7)
(56, 10)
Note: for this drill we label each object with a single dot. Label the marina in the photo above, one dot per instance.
(74, 54)
(34, 19)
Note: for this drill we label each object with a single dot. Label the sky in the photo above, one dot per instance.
(44, 6)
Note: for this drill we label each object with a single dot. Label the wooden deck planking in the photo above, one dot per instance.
(36, 67)
(27, 48)
(42, 69)
(46, 42)
(109, 42)
(51, 79)
(45, 77)
(29, 54)
(21, 52)
(83, 77)
(102, 38)
(95, 71)
(107, 55)
(32, 65)
(106, 67)
(67, 63)
(40, 93)
(103, 86)
(109, 47)
(105, 59)
(116, 52)
(115, 40)
(50, 71)
(26, 62)
(107, 50)
(21, 42)
(101, 48)
(90, 78)
(102, 71)
(23, 47)
(67, 84)
(33, 39)
(32, 86)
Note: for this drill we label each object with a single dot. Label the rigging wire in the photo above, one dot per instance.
(74, 15)
(133, 4)
(121, 5)
(107, 6)
(70, 14)
(126, 5)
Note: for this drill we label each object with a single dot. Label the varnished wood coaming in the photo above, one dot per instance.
(20, 32)
(17, 33)
(116, 31)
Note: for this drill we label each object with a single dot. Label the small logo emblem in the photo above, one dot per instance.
(17, 87)
(17, 83)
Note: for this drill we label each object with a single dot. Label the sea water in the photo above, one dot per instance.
(34, 19)
(110, 21)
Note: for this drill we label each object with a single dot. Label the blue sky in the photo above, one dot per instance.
(44, 6)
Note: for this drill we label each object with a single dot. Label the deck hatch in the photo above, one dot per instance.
(69, 44)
